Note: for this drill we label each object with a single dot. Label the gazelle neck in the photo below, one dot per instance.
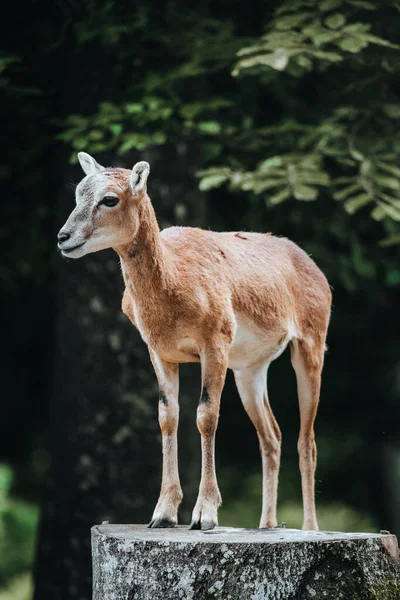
(144, 261)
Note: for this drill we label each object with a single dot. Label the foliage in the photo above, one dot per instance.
(346, 147)
(162, 104)
(327, 75)
(18, 523)
(316, 35)
(7, 85)
(20, 588)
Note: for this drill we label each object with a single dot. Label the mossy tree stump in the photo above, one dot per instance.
(131, 562)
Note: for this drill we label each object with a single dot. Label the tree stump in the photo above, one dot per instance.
(131, 562)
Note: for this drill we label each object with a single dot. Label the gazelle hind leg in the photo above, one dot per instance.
(307, 359)
(252, 387)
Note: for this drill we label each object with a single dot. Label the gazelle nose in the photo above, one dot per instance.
(63, 236)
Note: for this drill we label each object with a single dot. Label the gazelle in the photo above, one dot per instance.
(227, 300)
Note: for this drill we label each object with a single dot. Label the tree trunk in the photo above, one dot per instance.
(133, 563)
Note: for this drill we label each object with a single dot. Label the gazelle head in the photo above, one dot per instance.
(106, 212)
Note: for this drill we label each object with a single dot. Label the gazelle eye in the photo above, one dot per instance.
(109, 201)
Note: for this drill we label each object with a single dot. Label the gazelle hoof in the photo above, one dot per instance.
(161, 522)
(204, 525)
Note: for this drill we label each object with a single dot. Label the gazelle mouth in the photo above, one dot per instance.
(71, 249)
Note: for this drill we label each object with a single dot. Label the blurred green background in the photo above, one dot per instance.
(278, 116)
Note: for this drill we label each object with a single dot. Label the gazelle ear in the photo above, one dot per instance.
(88, 164)
(139, 175)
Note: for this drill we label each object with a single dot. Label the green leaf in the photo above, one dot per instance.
(314, 177)
(356, 28)
(389, 169)
(373, 39)
(352, 44)
(335, 21)
(365, 168)
(253, 49)
(330, 4)
(392, 240)
(5, 61)
(325, 37)
(388, 182)
(291, 21)
(357, 202)
(80, 143)
(109, 109)
(166, 112)
(134, 108)
(209, 127)
(116, 128)
(260, 186)
(347, 191)
(391, 211)
(305, 192)
(378, 213)
(6, 478)
(389, 199)
(98, 147)
(362, 4)
(331, 56)
(392, 110)
(356, 154)
(342, 160)
(135, 140)
(393, 277)
(193, 109)
(212, 181)
(159, 138)
(292, 6)
(280, 197)
(304, 62)
(273, 161)
(95, 134)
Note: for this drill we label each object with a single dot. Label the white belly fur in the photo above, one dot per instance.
(252, 345)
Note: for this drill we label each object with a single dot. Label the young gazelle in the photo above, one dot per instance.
(227, 300)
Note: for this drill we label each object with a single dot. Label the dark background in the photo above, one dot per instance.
(79, 439)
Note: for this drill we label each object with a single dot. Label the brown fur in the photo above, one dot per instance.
(190, 292)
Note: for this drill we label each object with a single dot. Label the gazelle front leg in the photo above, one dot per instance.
(213, 365)
(166, 512)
